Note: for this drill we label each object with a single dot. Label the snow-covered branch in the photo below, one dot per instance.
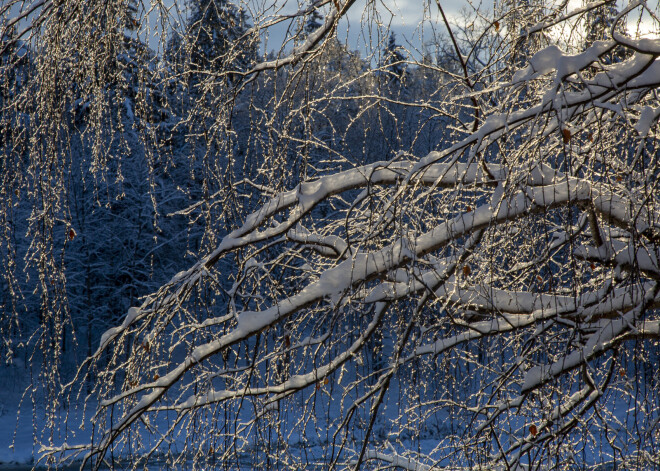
(382, 261)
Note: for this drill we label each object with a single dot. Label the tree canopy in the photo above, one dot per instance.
(455, 270)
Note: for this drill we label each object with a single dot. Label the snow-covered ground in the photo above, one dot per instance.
(24, 428)
(25, 424)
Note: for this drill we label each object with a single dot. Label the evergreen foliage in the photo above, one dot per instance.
(599, 24)
(314, 21)
(394, 64)
(216, 40)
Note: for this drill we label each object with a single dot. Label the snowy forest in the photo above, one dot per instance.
(330, 234)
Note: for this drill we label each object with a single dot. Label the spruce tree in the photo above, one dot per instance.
(216, 40)
(600, 22)
(314, 22)
(393, 62)
(518, 18)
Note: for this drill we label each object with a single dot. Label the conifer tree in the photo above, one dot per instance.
(394, 61)
(314, 22)
(599, 24)
(216, 39)
(519, 16)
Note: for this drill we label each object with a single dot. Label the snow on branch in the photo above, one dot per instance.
(497, 296)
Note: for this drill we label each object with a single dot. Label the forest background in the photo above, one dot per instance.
(468, 277)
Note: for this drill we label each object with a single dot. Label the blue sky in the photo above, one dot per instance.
(402, 16)
(360, 28)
